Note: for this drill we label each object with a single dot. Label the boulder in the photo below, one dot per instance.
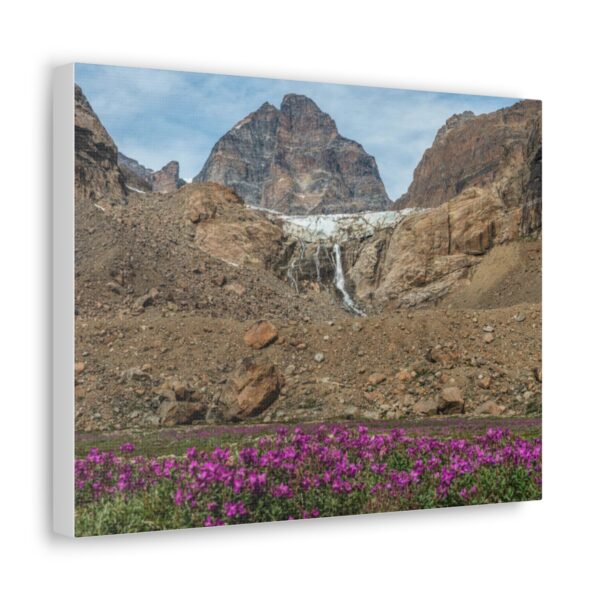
(451, 401)
(404, 375)
(490, 408)
(173, 389)
(173, 413)
(438, 355)
(141, 302)
(79, 368)
(376, 378)
(485, 382)
(134, 374)
(426, 407)
(260, 334)
(252, 388)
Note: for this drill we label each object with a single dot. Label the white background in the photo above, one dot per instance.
(519, 49)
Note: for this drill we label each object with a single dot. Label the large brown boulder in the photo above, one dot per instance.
(253, 387)
(451, 401)
(294, 160)
(426, 407)
(172, 412)
(260, 334)
(489, 407)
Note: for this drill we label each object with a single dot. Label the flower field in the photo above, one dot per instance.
(301, 473)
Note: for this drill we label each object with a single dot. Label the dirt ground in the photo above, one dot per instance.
(509, 274)
(124, 361)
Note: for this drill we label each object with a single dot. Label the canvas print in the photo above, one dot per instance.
(297, 300)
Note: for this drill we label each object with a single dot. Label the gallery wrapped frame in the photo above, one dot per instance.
(273, 327)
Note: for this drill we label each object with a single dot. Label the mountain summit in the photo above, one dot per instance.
(480, 151)
(294, 160)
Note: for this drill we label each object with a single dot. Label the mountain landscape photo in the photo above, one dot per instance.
(275, 320)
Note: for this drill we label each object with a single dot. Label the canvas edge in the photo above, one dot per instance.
(63, 298)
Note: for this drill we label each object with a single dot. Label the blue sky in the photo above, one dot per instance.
(155, 116)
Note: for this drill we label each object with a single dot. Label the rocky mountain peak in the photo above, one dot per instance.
(299, 105)
(477, 151)
(167, 179)
(266, 107)
(303, 119)
(294, 160)
(454, 121)
(97, 175)
(140, 178)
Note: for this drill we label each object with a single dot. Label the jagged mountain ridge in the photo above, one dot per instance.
(138, 176)
(294, 160)
(104, 173)
(471, 150)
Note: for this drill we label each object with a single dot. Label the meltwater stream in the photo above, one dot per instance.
(340, 282)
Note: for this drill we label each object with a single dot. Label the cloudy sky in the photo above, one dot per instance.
(155, 116)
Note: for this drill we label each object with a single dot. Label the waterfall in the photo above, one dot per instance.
(340, 282)
(292, 265)
(317, 263)
(290, 274)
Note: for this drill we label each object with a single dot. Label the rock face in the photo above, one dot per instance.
(167, 179)
(138, 177)
(293, 160)
(97, 175)
(478, 186)
(428, 252)
(474, 150)
(224, 228)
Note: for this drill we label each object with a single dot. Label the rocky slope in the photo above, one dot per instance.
(193, 307)
(195, 250)
(294, 160)
(156, 370)
(142, 179)
(97, 174)
(475, 151)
